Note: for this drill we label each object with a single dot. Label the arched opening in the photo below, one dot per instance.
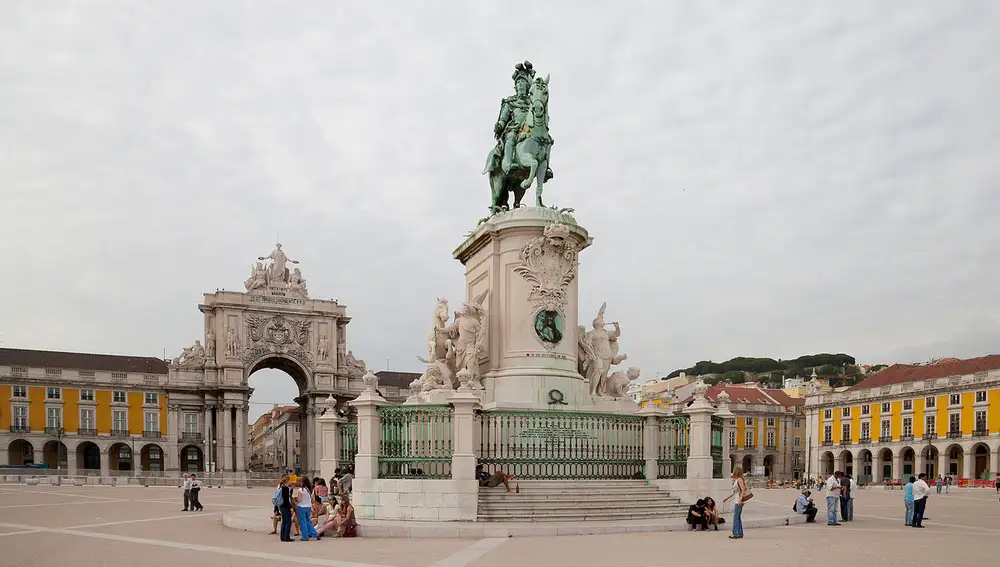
(279, 438)
(826, 464)
(88, 458)
(981, 461)
(847, 462)
(769, 466)
(747, 464)
(908, 458)
(954, 465)
(151, 458)
(930, 455)
(885, 464)
(192, 460)
(866, 474)
(54, 455)
(120, 457)
(20, 453)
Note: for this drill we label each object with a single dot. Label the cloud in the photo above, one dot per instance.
(769, 179)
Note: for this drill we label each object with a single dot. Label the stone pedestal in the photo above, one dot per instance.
(329, 431)
(463, 456)
(651, 438)
(529, 268)
(366, 461)
(699, 462)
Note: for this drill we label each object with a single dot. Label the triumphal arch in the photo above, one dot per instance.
(274, 323)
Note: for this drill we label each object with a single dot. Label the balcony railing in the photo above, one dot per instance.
(828, 443)
(53, 430)
(20, 429)
(190, 436)
(151, 434)
(954, 435)
(770, 446)
(86, 432)
(119, 432)
(906, 437)
(929, 436)
(865, 441)
(981, 433)
(845, 443)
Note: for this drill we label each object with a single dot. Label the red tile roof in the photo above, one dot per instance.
(750, 395)
(81, 361)
(900, 373)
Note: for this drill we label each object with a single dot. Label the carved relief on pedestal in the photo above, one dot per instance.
(323, 349)
(191, 357)
(232, 343)
(277, 335)
(549, 262)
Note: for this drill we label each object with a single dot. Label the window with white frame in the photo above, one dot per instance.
(845, 412)
(86, 395)
(19, 392)
(866, 430)
(866, 409)
(954, 422)
(770, 439)
(886, 408)
(980, 420)
(748, 440)
(930, 425)
(828, 434)
(20, 417)
(770, 422)
(955, 400)
(732, 438)
(150, 399)
(908, 426)
(87, 418)
(886, 431)
(119, 420)
(845, 433)
(749, 421)
(797, 423)
(797, 442)
(53, 417)
(151, 421)
(190, 423)
(827, 414)
(930, 402)
(53, 393)
(980, 396)
(907, 405)
(118, 397)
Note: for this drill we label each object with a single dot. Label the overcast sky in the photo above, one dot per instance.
(760, 178)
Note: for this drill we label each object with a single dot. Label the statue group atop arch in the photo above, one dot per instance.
(271, 271)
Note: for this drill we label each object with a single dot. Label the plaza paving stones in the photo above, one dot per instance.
(97, 526)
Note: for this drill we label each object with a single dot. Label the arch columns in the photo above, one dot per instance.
(968, 468)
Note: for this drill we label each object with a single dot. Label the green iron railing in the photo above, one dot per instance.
(717, 428)
(415, 442)
(348, 443)
(561, 445)
(671, 460)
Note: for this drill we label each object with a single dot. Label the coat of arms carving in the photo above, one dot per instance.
(549, 262)
(278, 335)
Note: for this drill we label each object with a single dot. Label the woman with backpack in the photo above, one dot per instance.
(282, 500)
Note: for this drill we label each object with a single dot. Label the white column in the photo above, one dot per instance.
(727, 416)
(219, 433)
(105, 463)
(329, 428)
(463, 456)
(968, 469)
(39, 456)
(942, 461)
(651, 439)
(71, 461)
(171, 462)
(367, 404)
(4, 458)
(225, 451)
(316, 446)
(699, 462)
(241, 437)
(919, 462)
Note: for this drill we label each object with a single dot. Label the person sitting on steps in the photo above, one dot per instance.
(494, 480)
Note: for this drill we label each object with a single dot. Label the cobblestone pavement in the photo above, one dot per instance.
(97, 526)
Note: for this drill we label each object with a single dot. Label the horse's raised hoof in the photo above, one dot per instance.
(526, 183)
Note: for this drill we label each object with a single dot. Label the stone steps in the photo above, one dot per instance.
(577, 501)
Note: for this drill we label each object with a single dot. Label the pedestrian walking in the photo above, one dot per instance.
(833, 498)
(920, 493)
(186, 486)
(939, 484)
(908, 501)
(195, 494)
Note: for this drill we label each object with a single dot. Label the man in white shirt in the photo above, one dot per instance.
(920, 493)
(186, 485)
(833, 498)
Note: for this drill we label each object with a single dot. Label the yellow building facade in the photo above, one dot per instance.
(939, 418)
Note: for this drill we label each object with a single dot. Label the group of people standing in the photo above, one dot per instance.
(840, 492)
(192, 493)
(915, 499)
(316, 510)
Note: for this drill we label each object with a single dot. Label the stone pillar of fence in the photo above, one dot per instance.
(367, 404)
(727, 416)
(651, 439)
(463, 456)
(329, 435)
(699, 461)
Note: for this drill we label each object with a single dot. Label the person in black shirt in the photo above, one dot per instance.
(285, 508)
(696, 515)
